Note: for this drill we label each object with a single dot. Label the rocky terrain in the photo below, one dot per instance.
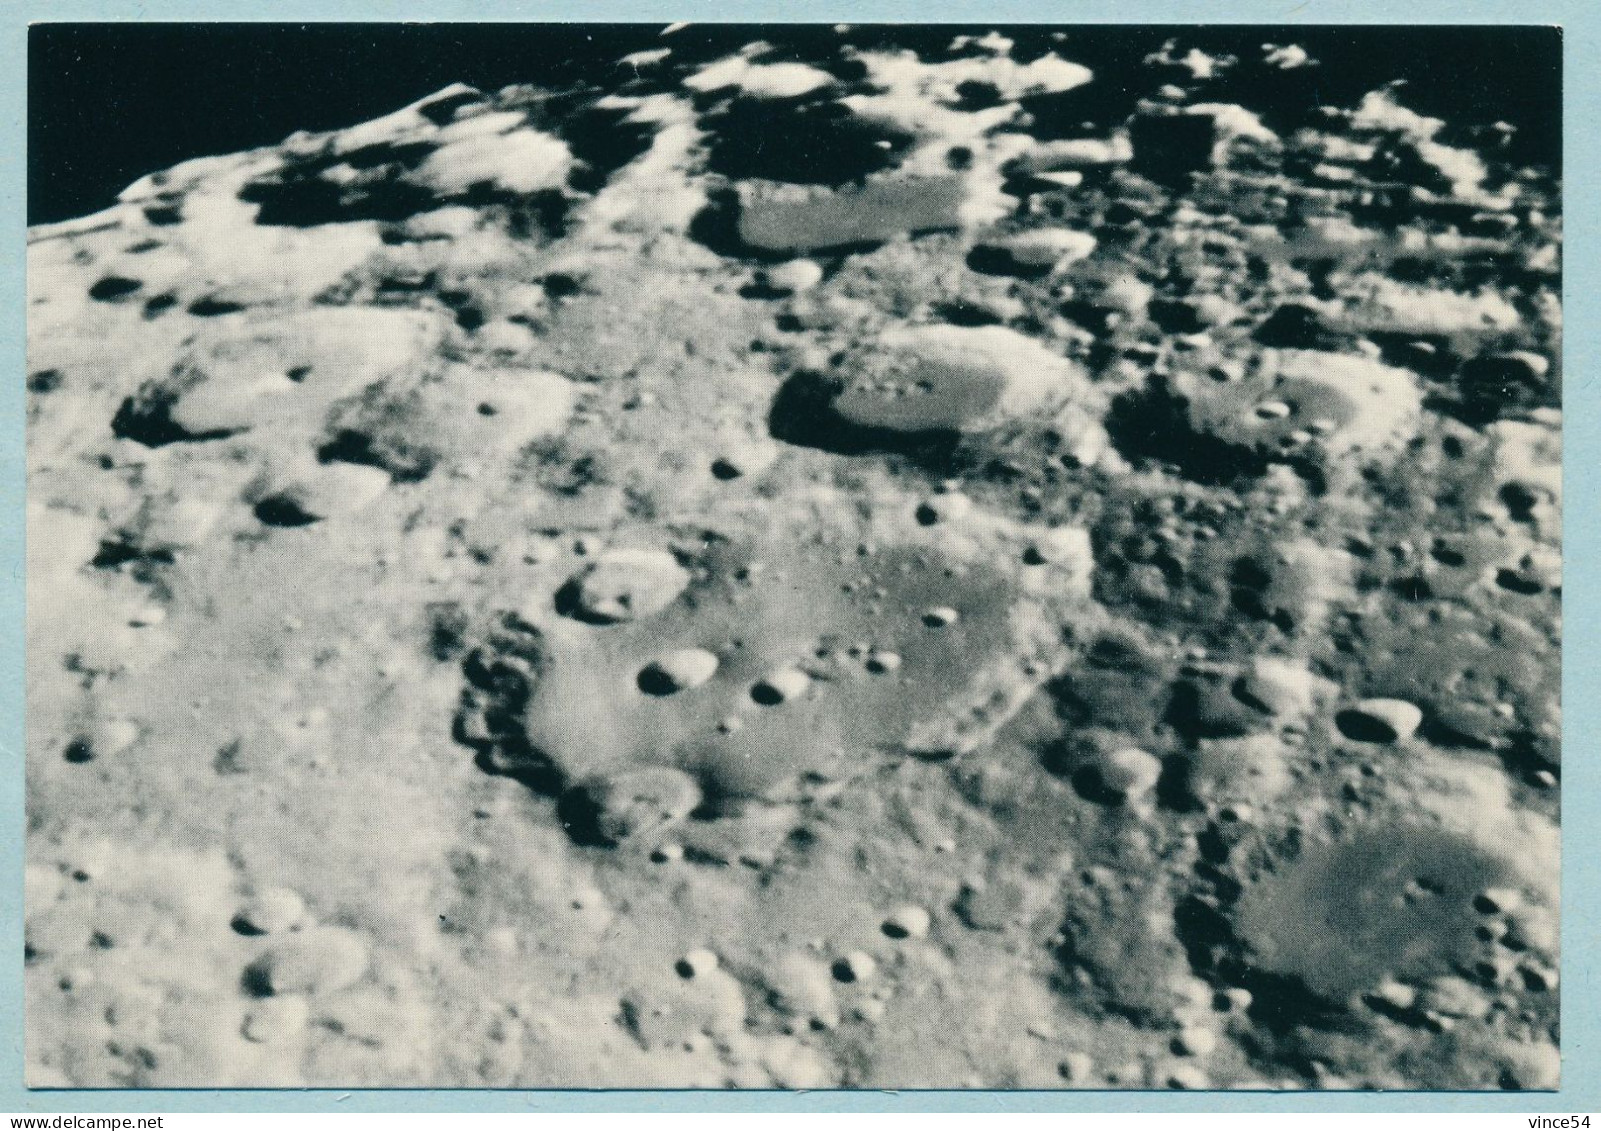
(865, 567)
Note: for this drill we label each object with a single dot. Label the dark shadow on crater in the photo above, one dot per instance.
(1280, 1004)
(966, 314)
(285, 511)
(114, 555)
(1150, 424)
(804, 140)
(1436, 732)
(1169, 150)
(508, 754)
(1174, 791)
(716, 228)
(113, 287)
(579, 815)
(256, 981)
(1361, 727)
(1086, 782)
(146, 418)
(308, 202)
(440, 111)
(603, 140)
(568, 604)
(988, 259)
(213, 307)
(803, 414)
(159, 304)
(1176, 317)
(404, 463)
(1491, 388)
(1295, 326)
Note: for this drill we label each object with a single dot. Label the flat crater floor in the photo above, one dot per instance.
(808, 563)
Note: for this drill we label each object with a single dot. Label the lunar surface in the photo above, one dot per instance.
(865, 566)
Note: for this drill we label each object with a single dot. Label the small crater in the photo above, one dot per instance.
(440, 111)
(1514, 582)
(146, 418)
(114, 555)
(906, 923)
(653, 681)
(1168, 150)
(780, 687)
(243, 926)
(227, 761)
(1379, 721)
(1297, 327)
(405, 462)
(681, 670)
(213, 307)
(159, 304)
(283, 510)
(973, 94)
(447, 630)
(1176, 317)
(603, 139)
(988, 259)
(799, 141)
(1519, 501)
(966, 314)
(1359, 727)
(113, 287)
(882, 663)
(301, 198)
(941, 617)
(561, 286)
(256, 981)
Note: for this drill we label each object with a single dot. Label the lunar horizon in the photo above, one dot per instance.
(795, 556)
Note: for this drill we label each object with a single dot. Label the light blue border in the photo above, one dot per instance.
(1581, 1002)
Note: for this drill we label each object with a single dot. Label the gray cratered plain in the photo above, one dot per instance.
(541, 589)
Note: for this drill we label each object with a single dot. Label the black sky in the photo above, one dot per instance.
(108, 103)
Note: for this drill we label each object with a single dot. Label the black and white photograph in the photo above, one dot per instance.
(793, 556)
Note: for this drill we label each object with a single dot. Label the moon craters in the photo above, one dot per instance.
(628, 584)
